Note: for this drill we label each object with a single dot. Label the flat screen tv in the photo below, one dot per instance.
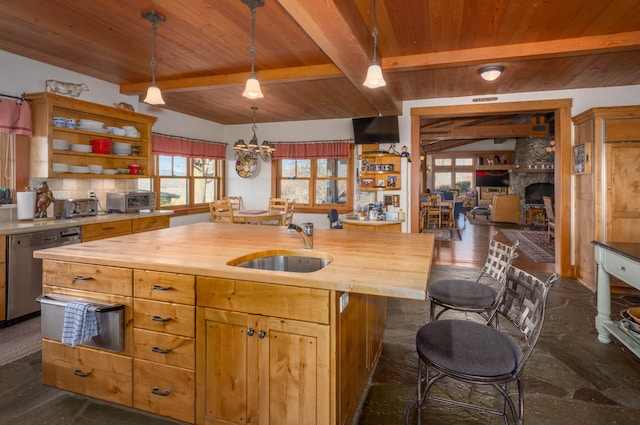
(496, 178)
(376, 130)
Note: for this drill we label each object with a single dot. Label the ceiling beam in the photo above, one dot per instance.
(486, 132)
(514, 52)
(338, 29)
(283, 75)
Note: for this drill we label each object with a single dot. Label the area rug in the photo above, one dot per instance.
(445, 234)
(533, 244)
(19, 340)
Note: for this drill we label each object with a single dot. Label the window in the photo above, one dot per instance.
(316, 185)
(182, 182)
(453, 172)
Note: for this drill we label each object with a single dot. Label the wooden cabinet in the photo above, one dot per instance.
(380, 171)
(164, 344)
(259, 369)
(45, 106)
(3, 277)
(607, 200)
(93, 372)
(110, 229)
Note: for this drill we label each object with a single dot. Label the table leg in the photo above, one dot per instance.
(604, 305)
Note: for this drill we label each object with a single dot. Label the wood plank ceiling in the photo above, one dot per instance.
(311, 56)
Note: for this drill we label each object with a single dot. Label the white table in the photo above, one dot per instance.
(621, 260)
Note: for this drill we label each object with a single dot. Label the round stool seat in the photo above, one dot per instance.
(462, 293)
(469, 348)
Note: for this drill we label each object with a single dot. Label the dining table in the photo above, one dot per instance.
(258, 216)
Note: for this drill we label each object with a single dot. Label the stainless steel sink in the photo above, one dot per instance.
(284, 261)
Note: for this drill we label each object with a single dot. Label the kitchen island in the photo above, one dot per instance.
(212, 343)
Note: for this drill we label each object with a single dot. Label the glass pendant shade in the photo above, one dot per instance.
(490, 73)
(154, 97)
(374, 77)
(252, 89)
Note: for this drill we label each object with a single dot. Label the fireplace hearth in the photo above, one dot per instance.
(533, 193)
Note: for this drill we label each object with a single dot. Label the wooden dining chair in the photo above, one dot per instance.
(221, 211)
(278, 204)
(434, 211)
(236, 202)
(551, 218)
(288, 215)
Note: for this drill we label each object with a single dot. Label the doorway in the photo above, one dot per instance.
(561, 109)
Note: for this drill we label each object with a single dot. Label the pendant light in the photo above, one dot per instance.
(374, 77)
(491, 73)
(252, 89)
(154, 97)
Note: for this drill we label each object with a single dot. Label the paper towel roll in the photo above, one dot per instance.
(26, 205)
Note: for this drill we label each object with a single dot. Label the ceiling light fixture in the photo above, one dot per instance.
(252, 89)
(154, 97)
(491, 73)
(374, 76)
(253, 149)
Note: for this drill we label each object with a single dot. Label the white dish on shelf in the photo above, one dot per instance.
(59, 167)
(79, 169)
(123, 171)
(119, 132)
(81, 148)
(94, 129)
(60, 145)
(109, 171)
(95, 169)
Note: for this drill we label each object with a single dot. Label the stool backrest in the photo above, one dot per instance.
(499, 258)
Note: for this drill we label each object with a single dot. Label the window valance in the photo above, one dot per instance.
(162, 144)
(15, 117)
(332, 149)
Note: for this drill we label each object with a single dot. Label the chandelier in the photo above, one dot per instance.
(253, 149)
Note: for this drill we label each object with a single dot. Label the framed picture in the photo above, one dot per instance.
(581, 156)
(391, 181)
(367, 182)
(380, 183)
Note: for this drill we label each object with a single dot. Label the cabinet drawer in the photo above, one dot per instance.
(160, 286)
(150, 223)
(621, 267)
(287, 302)
(164, 390)
(164, 348)
(87, 371)
(88, 277)
(159, 316)
(92, 232)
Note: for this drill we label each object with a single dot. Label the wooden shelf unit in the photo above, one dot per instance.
(380, 171)
(45, 106)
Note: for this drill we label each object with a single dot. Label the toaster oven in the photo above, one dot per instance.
(68, 208)
(128, 202)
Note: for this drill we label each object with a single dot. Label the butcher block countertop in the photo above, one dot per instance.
(385, 264)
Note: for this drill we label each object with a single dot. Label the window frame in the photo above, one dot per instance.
(276, 178)
(190, 207)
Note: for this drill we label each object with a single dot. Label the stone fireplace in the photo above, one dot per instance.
(534, 166)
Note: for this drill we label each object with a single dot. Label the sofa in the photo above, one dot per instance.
(505, 208)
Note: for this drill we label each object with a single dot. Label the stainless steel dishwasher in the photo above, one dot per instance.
(24, 273)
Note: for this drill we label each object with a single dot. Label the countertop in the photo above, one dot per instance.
(385, 264)
(627, 249)
(10, 227)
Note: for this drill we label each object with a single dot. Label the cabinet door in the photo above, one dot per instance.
(227, 363)
(294, 369)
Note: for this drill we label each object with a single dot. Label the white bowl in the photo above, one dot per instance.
(95, 169)
(119, 132)
(123, 171)
(59, 167)
(121, 145)
(109, 171)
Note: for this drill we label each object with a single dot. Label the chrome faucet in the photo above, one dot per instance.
(306, 231)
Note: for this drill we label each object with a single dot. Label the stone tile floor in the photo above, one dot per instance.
(570, 379)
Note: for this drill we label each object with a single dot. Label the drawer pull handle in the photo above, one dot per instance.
(81, 374)
(161, 288)
(160, 350)
(108, 228)
(161, 319)
(82, 277)
(250, 332)
(262, 334)
(621, 268)
(156, 391)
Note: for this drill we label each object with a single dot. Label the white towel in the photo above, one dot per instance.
(80, 323)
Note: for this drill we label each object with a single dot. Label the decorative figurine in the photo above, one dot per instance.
(44, 198)
(73, 90)
(405, 151)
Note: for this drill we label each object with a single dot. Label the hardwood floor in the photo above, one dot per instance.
(471, 251)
